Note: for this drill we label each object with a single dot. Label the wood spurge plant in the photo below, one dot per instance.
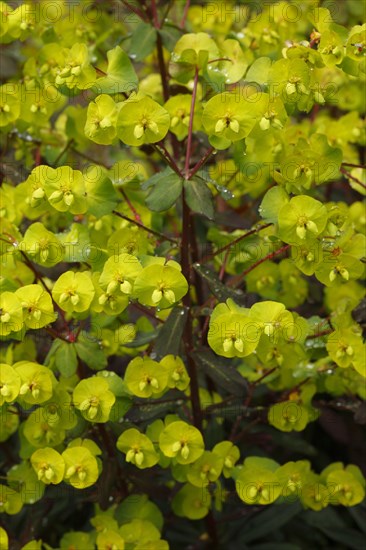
(182, 247)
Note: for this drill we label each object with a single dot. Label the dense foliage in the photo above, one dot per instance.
(182, 253)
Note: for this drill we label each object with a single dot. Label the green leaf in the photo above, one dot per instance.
(121, 76)
(199, 197)
(90, 352)
(143, 41)
(65, 359)
(166, 191)
(221, 371)
(170, 335)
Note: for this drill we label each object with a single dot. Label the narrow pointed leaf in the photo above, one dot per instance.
(170, 335)
(221, 371)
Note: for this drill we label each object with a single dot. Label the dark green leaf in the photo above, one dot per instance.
(359, 313)
(199, 197)
(329, 517)
(49, 359)
(350, 538)
(275, 546)
(151, 411)
(359, 515)
(142, 339)
(218, 289)
(143, 41)
(269, 520)
(165, 193)
(91, 353)
(151, 182)
(170, 35)
(295, 443)
(170, 334)
(224, 191)
(65, 359)
(120, 408)
(221, 371)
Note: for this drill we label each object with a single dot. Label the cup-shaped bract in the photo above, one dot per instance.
(160, 286)
(138, 448)
(48, 465)
(10, 382)
(181, 441)
(73, 291)
(94, 399)
(37, 306)
(37, 382)
(301, 219)
(145, 377)
(81, 467)
(142, 120)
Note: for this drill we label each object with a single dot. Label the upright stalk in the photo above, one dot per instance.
(190, 128)
(185, 13)
(187, 243)
(186, 270)
(187, 334)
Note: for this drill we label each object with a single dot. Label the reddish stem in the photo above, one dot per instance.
(64, 150)
(237, 279)
(233, 243)
(220, 59)
(348, 175)
(185, 13)
(201, 162)
(162, 150)
(354, 165)
(319, 334)
(37, 156)
(135, 10)
(162, 68)
(190, 129)
(223, 267)
(136, 215)
(155, 14)
(147, 229)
